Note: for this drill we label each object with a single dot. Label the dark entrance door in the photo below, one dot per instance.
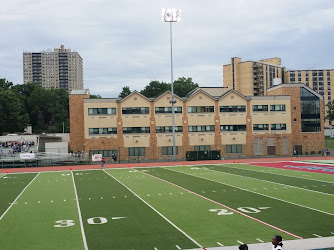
(271, 150)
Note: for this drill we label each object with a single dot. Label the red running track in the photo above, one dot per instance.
(269, 162)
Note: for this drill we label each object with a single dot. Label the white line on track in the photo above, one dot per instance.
(220, 244)
(317, 235)
(184, 233)
(240, 242)
(255, 192)
(18, 197)
(259, 240)
(284, 185)
(79, 213)
(220, 204)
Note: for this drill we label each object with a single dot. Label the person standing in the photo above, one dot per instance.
(103, 161)
(277, 243)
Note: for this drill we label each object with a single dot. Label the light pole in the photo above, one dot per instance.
(171, 16)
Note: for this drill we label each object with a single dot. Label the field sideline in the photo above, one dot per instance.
(171, 207)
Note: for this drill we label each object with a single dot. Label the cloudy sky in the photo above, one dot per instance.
(126, 43)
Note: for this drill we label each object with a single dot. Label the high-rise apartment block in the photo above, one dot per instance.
(252, 77)
(255, 77)
(61, 68)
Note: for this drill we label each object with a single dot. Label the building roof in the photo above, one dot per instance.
(214, 92)
(296, 85)
(79, 92)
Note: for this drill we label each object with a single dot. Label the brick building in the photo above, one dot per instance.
(289, 117)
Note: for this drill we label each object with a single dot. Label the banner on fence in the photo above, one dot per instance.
(97, 157)
(28, 156)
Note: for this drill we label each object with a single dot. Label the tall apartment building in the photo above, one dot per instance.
(61, 68)
(252, 77)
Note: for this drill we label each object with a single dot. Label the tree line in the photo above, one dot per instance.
(47, 110)
(181, 87)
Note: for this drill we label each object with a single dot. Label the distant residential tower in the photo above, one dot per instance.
(61, 68)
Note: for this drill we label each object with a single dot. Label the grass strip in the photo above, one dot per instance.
(315, 185)
(45, 216)
(11, 185)
(298, 220)
(114, 218)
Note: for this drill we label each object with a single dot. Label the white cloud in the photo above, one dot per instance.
(126, 43)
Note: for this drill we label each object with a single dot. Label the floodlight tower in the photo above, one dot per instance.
(171, 16)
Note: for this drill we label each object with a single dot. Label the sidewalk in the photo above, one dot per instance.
(304, 244)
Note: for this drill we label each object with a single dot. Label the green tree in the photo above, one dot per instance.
(4, 84)
(125, 92)
(12, 112)
(330, 111)
(95, 97)
(155, 89)
(183, 86)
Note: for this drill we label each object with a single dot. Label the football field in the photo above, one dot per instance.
(177, 207)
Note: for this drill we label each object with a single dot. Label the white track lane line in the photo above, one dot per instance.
(18, 197)
(79, 212)
(220, 204)
(255, 192)
(285, 185)
(155, 210)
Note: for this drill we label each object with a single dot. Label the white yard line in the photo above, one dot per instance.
(2, 175)
(273, 182)
(79, 212)
(255, 193)
(18, 197)
(220, 204)
(184, 233)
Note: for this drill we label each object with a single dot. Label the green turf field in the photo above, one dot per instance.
(180, 207)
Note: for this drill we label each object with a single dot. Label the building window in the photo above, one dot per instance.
(101, 111)
(138, 151)
(232, 127)
(163, 110)
(277, 107)
(201, 109)
(260, 107)
(104, 153)
(280, 126)
(102, 131)
(234, 149)
(202, 148)
(257, 127)
(201, 128)
(136, 110)
(168, 129)
(241, 108)
(136, 130)
(169, 150)
(310, 111)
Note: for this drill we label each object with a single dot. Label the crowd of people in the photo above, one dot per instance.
(15, 147)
